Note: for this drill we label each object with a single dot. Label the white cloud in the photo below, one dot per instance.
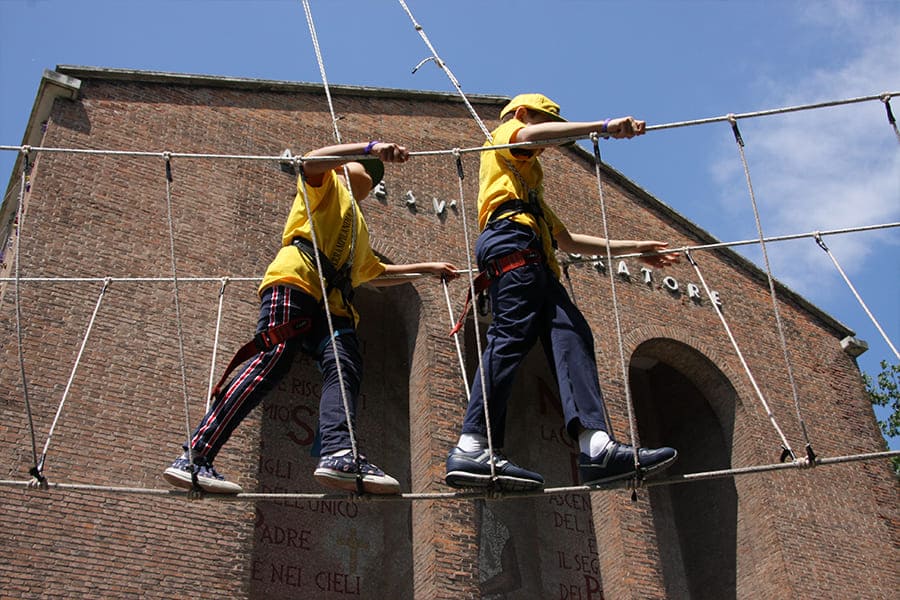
(833, 167)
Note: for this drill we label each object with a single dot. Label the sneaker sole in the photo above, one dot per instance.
(463, 480)
(645, 470)
(347, 482)
(181, 479)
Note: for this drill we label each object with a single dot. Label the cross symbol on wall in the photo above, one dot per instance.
(354, 543)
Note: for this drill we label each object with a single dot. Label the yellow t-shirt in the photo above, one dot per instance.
(499, 184)
(332, 208)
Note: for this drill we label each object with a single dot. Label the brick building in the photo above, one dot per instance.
(828, 532)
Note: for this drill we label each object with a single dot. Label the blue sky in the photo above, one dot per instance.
(662, 61)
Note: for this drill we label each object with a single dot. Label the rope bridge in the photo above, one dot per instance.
(788, 459)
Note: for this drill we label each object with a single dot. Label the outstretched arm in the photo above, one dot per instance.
(622, 127)
(387, 152)
(439, 269)
(579, 243)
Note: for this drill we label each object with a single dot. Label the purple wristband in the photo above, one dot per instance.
(605, 123)
(370, 145)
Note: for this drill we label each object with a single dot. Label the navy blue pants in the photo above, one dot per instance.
(527, 304)
(259, 375)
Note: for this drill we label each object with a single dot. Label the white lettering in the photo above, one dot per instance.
(648, 274)
(693, 291)
(714, 296)
(622, 269)
(671, 283)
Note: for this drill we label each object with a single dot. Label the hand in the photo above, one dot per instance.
(388, 152)
(443, 269)
(657, 260)
(625, 127)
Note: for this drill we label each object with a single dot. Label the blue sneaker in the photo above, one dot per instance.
(473, 470)
(339, 472)
(179, 475)
(616, 461)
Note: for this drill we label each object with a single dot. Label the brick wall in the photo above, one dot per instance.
(812, 533)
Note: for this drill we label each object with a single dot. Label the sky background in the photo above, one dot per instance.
(661, 61)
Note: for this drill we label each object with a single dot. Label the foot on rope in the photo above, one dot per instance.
(340, 472)
(616, 461)
(180, 475)
(473, 470)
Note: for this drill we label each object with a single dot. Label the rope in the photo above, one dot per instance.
(570, 258)
(460, 175)
(469, 263)
(777, 238)
(427, 496)
(352, 251)
(456, 152)
(859, 299)
(212, 366)
(459, 354)
(20, 222)
(39, 468)
(170, 223)
(632, 421)
(740, 355)
(884, 97)
(443, 66)
(771, 280)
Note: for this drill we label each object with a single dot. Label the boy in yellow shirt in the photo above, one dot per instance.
(516, 252)
(292, 319)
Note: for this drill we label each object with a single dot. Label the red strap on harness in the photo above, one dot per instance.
(496, 268)
(263, 342)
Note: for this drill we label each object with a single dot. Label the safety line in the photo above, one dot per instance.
(443, 66)
(280, 158)
(464, 495)
(859, 299)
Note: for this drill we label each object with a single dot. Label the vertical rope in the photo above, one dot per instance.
(859, 299)
(777, 312)
(478, 349)
(38, 478)
(337, 136)
(632, 421)
(170, 222)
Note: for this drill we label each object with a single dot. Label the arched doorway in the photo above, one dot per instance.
(683, 400)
